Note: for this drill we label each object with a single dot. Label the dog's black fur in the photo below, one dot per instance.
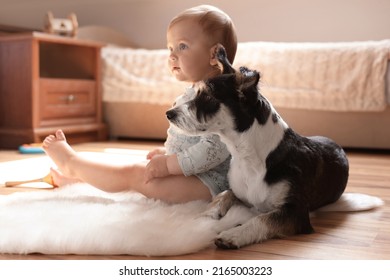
(313, 170)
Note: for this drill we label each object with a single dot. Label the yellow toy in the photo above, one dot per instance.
(47, 179)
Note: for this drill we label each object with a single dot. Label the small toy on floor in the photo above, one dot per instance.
(33, 148)
(46, 179)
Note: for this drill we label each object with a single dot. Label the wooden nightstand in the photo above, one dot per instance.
(49, 82)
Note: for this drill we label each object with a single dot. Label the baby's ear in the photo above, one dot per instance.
(213, 55)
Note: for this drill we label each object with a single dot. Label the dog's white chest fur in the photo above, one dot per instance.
(248, 167)
(249, 186)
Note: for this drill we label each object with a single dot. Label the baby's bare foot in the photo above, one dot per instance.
(59, 151)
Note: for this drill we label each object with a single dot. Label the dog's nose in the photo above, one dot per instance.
(171, 114)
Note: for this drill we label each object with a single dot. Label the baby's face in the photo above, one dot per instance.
(191, 56)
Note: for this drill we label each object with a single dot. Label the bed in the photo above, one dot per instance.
(340, 90)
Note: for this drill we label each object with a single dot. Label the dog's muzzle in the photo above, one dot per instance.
(171, 114)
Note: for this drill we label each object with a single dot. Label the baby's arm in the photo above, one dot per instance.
(203, 156)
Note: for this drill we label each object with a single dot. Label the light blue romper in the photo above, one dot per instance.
(206, 157)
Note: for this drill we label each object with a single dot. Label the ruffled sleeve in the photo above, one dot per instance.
(208, 153)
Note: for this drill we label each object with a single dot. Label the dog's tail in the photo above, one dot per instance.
(352, 202)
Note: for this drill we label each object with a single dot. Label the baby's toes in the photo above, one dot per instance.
(60, 135)
(48, 140)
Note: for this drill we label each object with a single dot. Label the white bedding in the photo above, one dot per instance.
(138, 75)
(324, 76)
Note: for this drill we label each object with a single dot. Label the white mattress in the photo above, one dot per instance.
(352, 76)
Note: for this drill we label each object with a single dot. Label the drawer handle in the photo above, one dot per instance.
(70, 98)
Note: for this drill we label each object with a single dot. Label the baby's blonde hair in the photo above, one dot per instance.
(216, 24)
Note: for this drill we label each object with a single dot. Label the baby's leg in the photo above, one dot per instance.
(114, 178)
(105, 175)
(59, 151)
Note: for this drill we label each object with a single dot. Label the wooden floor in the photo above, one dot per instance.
(362, 235)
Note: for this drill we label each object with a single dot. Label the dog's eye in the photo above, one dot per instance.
(210, 86)
(208, 98)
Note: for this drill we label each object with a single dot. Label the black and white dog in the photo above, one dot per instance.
(280, 174)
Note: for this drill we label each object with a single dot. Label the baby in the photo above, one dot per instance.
(189, 167)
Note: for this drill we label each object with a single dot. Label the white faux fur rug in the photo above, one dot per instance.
(80, 219)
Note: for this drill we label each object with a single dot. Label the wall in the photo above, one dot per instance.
(145, 21)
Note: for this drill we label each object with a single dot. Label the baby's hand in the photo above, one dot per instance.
(157, 151)
(157, 167)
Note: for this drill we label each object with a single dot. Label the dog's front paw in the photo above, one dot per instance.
(230, 239)
(215, 210)
(212, 212)
(220, 205)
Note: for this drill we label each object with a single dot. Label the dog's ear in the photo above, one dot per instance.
(223, 62)
(248, 78)
(246, 82)
(246, 71)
